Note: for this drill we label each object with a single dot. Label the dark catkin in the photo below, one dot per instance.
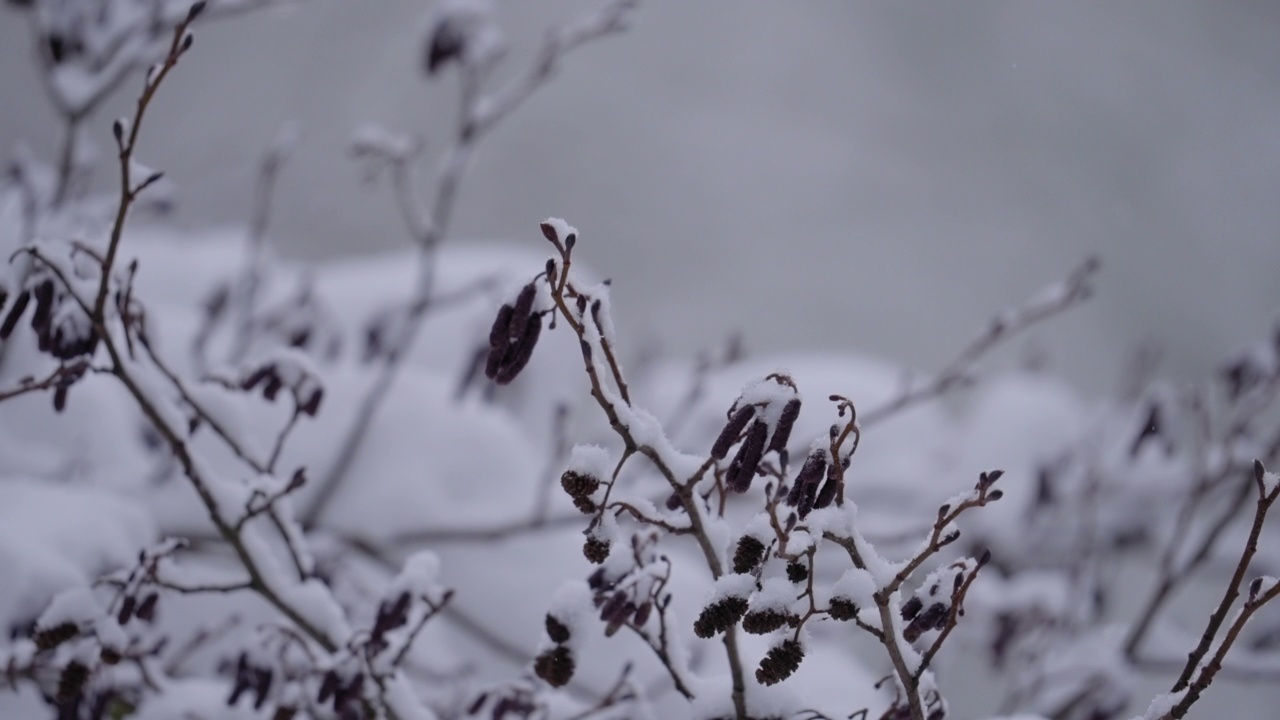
(619, 617)
(807, 501)
(828, 491)
(911, 608)
(127, 606)
(811, 473)
(523, 307)
(782, 432)
(797, 572)
(71, 683)
(762, 622)
(584, 504)
(780, 662)
(596, 550)
(934, 618)
(258, 377)
(578, 484)
(842, 609)
(729, 435)
(15, 314)
(518, 354)
(674, 502)
(329, 686)
(43, 295)
(447, 43)
(747, 556)
(642, 614)
(272, 388)
(613, 605)
(719, 616)
(556, 630)
(50, 638)
(743, 470)
(500, 331)
(555, 666)
(146, 611)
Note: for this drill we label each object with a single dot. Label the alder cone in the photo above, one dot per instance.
(555, 666)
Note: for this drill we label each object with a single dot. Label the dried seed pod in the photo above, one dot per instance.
(763, 622)
(556, 630)
(60, 398)
(50, 638)
(780, 662)
(578, 484)
(842, 608)
(797, 572)
(747, 556)
(585, 504)
(729, 435)
(555, 666)
(782, 432)
(719, 616)
(595, 549)
(748, 458)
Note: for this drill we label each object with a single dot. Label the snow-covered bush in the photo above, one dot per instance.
(422, 485)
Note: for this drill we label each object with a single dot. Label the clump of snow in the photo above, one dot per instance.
(858, 586)
(732, 585)
(572, 607)
(562, 229)
(419, 576)
(591, 461)
(775, 593)
(57, 538)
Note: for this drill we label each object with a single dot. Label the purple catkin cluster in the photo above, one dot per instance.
(513, 336)
(758, 441)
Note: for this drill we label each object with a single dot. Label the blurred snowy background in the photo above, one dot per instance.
(883, 176)
(834, 180)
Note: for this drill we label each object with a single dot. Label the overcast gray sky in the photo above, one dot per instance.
(875, 176)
